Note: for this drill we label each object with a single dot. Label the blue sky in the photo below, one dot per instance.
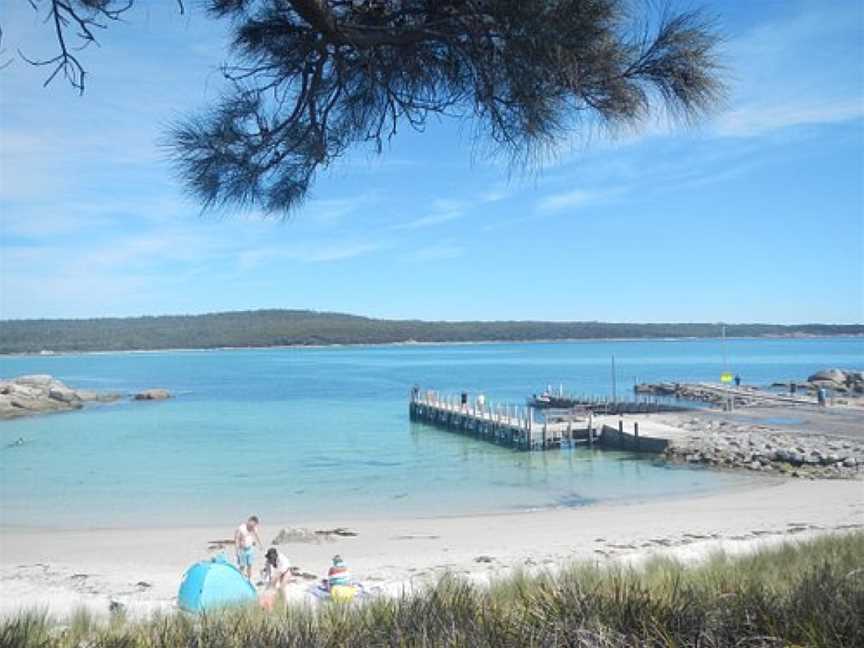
(755, 215)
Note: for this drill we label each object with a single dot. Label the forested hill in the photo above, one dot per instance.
(265, 328)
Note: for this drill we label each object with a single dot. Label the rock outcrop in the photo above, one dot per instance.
(693, 392)
(40, 394)
(152, 394)
(843, 381)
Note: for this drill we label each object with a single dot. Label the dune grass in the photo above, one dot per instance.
(797, 594)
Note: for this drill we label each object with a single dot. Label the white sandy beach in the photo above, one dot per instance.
(141, 568)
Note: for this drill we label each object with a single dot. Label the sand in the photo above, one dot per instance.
(61, 570)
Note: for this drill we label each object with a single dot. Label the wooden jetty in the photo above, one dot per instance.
(519, 427)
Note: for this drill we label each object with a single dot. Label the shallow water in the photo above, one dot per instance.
(324, 433)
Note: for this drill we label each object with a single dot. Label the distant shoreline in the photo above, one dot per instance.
(263, 329)
(47, 353)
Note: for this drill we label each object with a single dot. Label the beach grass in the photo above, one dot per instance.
(807, 593)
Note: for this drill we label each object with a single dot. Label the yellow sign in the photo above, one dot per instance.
(726, 377)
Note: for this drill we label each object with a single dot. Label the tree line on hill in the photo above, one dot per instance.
(265, 328)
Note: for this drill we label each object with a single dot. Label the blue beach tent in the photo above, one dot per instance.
(212, 584)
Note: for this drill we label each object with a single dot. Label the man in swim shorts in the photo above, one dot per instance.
(245, 539)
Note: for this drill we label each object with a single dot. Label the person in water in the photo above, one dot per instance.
(245, 539)
(338, 574)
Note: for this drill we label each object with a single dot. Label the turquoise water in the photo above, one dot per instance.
(323, 433)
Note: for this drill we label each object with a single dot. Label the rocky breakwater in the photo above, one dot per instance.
(745, 397)
(839, 381)
(40, 394)
(760, 448)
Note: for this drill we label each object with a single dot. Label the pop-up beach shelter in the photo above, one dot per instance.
(212, 584)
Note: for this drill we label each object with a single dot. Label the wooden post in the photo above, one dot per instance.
(621, 424)
(636, 429)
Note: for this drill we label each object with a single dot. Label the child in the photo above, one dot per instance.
(338, 574)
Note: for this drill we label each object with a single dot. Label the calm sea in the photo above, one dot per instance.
(299, 434)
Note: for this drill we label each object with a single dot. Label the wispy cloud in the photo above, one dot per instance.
(803, 69)
(445, 210)
(437, 218)
(752, 120)
(329, 211)
(310, 252)
(437, 252)
(567, 200)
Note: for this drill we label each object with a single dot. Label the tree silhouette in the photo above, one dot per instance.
(310, 79)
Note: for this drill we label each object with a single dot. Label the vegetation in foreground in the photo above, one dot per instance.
(807, 594)
(263, 328)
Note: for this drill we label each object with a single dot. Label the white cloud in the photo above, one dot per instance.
(431, 220)
(311, 252)
(752, 120)
(567, 200)
(440, 252)
(445, 210)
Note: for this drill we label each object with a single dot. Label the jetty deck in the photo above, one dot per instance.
(519, 426)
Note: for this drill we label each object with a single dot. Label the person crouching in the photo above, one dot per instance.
(279, 575)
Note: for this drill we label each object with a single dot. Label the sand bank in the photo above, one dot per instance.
(141, 568)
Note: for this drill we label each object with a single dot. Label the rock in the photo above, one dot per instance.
(299, 535)
(790, 456)
(64, 394)
(755, 465)
(484, 559)
(850, 462)
(38, 405)
(43, 381)
(829, 375)
(152, 394)
(338, 531)
(41, 393)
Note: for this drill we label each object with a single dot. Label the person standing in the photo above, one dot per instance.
(822, 396)
(245, 539)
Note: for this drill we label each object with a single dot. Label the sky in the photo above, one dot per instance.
(754, 215)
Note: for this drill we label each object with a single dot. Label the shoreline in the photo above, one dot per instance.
(410, 343)
(746, 482)
(142, 568)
